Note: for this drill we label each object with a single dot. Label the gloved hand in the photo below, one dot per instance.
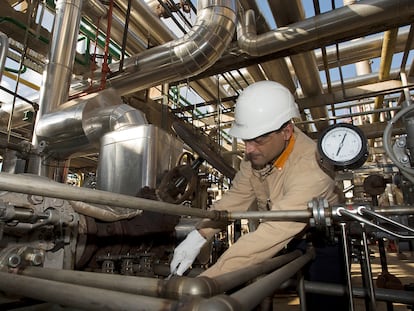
(186, 252)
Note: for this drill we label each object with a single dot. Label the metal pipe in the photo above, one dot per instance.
(58, 72)
(298, 215)
(251, 295)
(127, 284)
(82, 297)
(366, 261)
(80, 123)
(347, 265)
(381, 294)
(32, 184)
(184, 57)
(4, 47)
(230, 280)
(363, 14)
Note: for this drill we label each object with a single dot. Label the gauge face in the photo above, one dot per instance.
(343, 145)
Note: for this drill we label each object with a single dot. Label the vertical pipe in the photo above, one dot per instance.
(4, 47)
(58, 72)
(347, 265)
(368, 277)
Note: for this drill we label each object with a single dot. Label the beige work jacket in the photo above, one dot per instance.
(287, 187)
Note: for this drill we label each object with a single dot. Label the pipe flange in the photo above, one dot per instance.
(320, 213)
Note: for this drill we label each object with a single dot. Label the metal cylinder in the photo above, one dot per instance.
(32, 184)
(83, 297)
(126, 284)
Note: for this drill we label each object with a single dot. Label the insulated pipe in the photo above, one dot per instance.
(361, 49)
(82, 297)
(58, 73)
(80, 123)
(4, 47)
(363, 14)
(184, 57)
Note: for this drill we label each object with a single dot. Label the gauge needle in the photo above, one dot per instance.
(341, 144)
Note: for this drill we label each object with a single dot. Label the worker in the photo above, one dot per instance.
(280, 171)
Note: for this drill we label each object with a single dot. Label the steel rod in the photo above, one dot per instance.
(368, 277)
(230, 280)
(32, 184)
(251, 295)
(83, 297)
(294, 215)
(127, 284)
(381, 294)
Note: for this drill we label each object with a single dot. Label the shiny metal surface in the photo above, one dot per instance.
(4, 47)
(184, 57)
(79, 124)
(136, 157)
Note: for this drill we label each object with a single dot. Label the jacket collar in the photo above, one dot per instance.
(281, 160)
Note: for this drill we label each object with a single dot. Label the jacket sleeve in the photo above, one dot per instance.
(300, 184)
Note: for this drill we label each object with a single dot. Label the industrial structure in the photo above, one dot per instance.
(114, 141)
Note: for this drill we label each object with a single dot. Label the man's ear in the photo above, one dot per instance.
(288, 131)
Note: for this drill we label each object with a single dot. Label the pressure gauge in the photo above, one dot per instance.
(343, 145)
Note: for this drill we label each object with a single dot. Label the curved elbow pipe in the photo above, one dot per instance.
(363, 14)
(185, 57)
(79, 124)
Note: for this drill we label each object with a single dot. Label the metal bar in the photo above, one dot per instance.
(381, 294)
(127, 284)
(4, 47)
(368, 277)
(251, 295)
(362, 220)
(82, 297)
(295, 215)
(32, 184)
(347, 265)
(232, 279)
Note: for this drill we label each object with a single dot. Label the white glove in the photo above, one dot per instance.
(186, 252)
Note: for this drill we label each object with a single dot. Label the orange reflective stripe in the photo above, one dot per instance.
(281, 160)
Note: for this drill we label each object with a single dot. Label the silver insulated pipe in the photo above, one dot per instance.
(185, 57)
(79, 124)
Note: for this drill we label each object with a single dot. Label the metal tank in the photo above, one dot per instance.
(136, 157)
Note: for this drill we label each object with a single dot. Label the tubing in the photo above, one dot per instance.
(32, 184)
(126, 284)
(4, 47)
(230, 280)
(250, 296)
(80, 296)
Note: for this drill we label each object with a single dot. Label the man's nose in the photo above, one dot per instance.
(250, 146)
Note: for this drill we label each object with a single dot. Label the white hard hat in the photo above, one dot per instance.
(263, 107)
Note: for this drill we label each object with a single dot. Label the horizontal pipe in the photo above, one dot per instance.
(381, 294)
(83, 297)
(293, 215)
(32, 184)
(127, 284)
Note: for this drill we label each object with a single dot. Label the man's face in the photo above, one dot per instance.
(265, 148)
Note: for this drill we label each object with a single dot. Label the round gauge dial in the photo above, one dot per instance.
(343, 145)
